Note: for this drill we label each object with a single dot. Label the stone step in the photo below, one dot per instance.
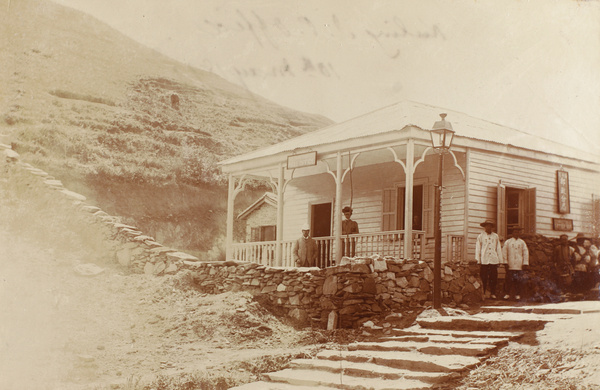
(472, 323)
(427, 347)
(523, 317)
(413, 361)
(262, 385)
(419, 331)
(337, 380)
(573, 308)
(527, 310)
(497, 341)
(368, 370)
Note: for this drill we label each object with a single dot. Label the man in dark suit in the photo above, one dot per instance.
(305, 249)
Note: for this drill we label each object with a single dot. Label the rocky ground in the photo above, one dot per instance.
(62, 328)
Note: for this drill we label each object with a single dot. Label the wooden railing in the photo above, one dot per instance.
(389, 243)
(454, 249)
(257, 252)
(325, 251)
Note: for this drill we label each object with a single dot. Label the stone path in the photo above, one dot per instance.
(433, 353)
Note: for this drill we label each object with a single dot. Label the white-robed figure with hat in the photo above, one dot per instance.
(488, 254)
(585, 264)
(305, 249)
(515, 256)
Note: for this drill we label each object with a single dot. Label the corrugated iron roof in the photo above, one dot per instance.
(400, 115)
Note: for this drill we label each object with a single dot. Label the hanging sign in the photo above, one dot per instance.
(562, 224)
(562, 182)
(302, 160)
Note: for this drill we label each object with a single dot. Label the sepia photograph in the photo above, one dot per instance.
(292, 195)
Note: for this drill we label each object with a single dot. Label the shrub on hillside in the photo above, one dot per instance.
(198, 166)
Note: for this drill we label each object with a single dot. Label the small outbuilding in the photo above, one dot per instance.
(260, 219)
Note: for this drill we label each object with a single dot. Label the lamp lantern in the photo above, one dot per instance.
(441, 141)
(442, 134)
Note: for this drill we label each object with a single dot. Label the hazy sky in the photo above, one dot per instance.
(532, 65)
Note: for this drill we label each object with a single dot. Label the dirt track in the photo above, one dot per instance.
(64, 330)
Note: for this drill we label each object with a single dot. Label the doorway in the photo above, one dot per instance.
(516, 209)
(321, 219)
(417, 208)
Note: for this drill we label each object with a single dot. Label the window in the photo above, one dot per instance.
(263, 233)
(516, 209)
(389, 210)
(394, 206)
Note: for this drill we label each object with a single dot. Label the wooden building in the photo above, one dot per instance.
(383, 164)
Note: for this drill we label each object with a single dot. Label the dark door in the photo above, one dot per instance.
(321, 220)
(417, 208)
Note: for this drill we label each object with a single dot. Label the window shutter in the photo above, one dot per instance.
(268, 233)
(255, 234)
(428, 212)
(388, 221)
(400, 205)
(530, 213)
(596, 214)
(501, 214)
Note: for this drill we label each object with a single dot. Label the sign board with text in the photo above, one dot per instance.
(562, 224)
(562, 192)
(302, 160)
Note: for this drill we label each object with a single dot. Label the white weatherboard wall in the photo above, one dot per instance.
(453, 199)
(487, 169)
(366, 186)
(299, 195)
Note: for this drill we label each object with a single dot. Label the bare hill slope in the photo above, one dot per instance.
(134, 130)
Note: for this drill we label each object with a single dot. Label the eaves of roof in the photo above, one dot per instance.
(390, 123)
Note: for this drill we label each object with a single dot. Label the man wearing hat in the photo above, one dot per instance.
(349, 227)
(488, 254)
(305, 249)
(562, 258)
(585, 259)
(515, 255)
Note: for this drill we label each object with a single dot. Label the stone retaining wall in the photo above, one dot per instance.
(354, 291)
(105, 236)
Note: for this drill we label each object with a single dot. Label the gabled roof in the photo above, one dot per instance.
(268, 198)
(400, 115)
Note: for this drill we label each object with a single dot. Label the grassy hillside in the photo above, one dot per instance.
(135, 131)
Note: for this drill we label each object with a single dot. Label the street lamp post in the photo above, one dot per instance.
(441, 140)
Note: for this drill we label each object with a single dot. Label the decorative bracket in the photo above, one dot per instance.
(273, 184)
(351, 166)
(396, 159)
(286, 182)
(329, 169)
(419, 161)
(458, 166)
(276, 186)
(239, 186)
(462, 172)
